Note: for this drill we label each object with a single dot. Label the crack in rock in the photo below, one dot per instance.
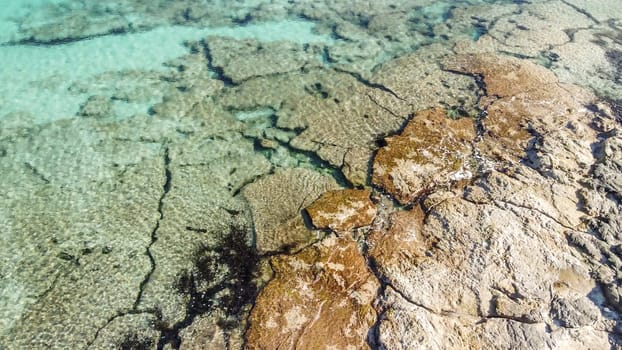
(135, 307)
(166, 187)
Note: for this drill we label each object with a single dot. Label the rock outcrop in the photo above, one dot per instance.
(342, 210)
(319, 298)
(165, 212)
(479, 266)
(431, 151)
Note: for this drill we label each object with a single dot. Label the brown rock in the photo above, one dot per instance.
(320, 298)
(402, 242)
(432, 150)
(342, 210)
(523, 102)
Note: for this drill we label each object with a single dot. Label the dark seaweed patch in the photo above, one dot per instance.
(615, 58)
(134, 342)
(222, 278)
(317, 90)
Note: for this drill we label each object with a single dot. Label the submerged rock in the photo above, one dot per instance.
(139, 228)
(277, 201)
(342, 210)
(331, 112)
(319, 298)
(240, 60)
(96, 106)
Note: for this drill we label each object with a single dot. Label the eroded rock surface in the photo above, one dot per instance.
(496, 265)
(319, 298)
(240, 60)
(138, 223)
(342, 210)
(431, 151)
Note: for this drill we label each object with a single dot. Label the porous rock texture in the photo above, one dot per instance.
(432, 150)
(139, 230)
(521, 255)
(339, 117)
(320, 298)
(516, 259)
(342, 210)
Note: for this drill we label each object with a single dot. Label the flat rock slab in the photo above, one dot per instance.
(243, 59)
(342, 210)
(276, 202)
(432, 150)
(320, 298)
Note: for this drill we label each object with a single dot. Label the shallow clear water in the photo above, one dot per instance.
(130, 131)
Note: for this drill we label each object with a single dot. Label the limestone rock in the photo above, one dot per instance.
(491, 266)
(200, 214)
(126, 209)
(407, 325)
(575, 313)
(276, 202)
(587, 61)
(73, 25)
(420, 83)
(537, 27)
(523, 101)
(128, 331)
(388, 247)
(599, 10)
(95, 106)
(78, 210)
(432, 150)
(332, 114)
(436, 267)
(206, 333)
(342, 210)
(319, 298)
(607, 171)
(243, 59)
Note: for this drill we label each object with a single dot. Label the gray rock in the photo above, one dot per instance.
(96, 106)
(574, 313)
(240, 60)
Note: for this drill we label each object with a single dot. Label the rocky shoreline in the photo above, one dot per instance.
(490, 241)
(436, 176)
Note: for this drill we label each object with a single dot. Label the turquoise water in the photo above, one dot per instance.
(129, 131)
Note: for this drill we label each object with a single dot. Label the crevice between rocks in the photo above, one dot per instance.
(311, 156)
(166, 187)
(368, 83)
(134, 310)
(218, 71)
(581, 11)
(516, 205)
(36, 172)
(374, 101)
(32, 41)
